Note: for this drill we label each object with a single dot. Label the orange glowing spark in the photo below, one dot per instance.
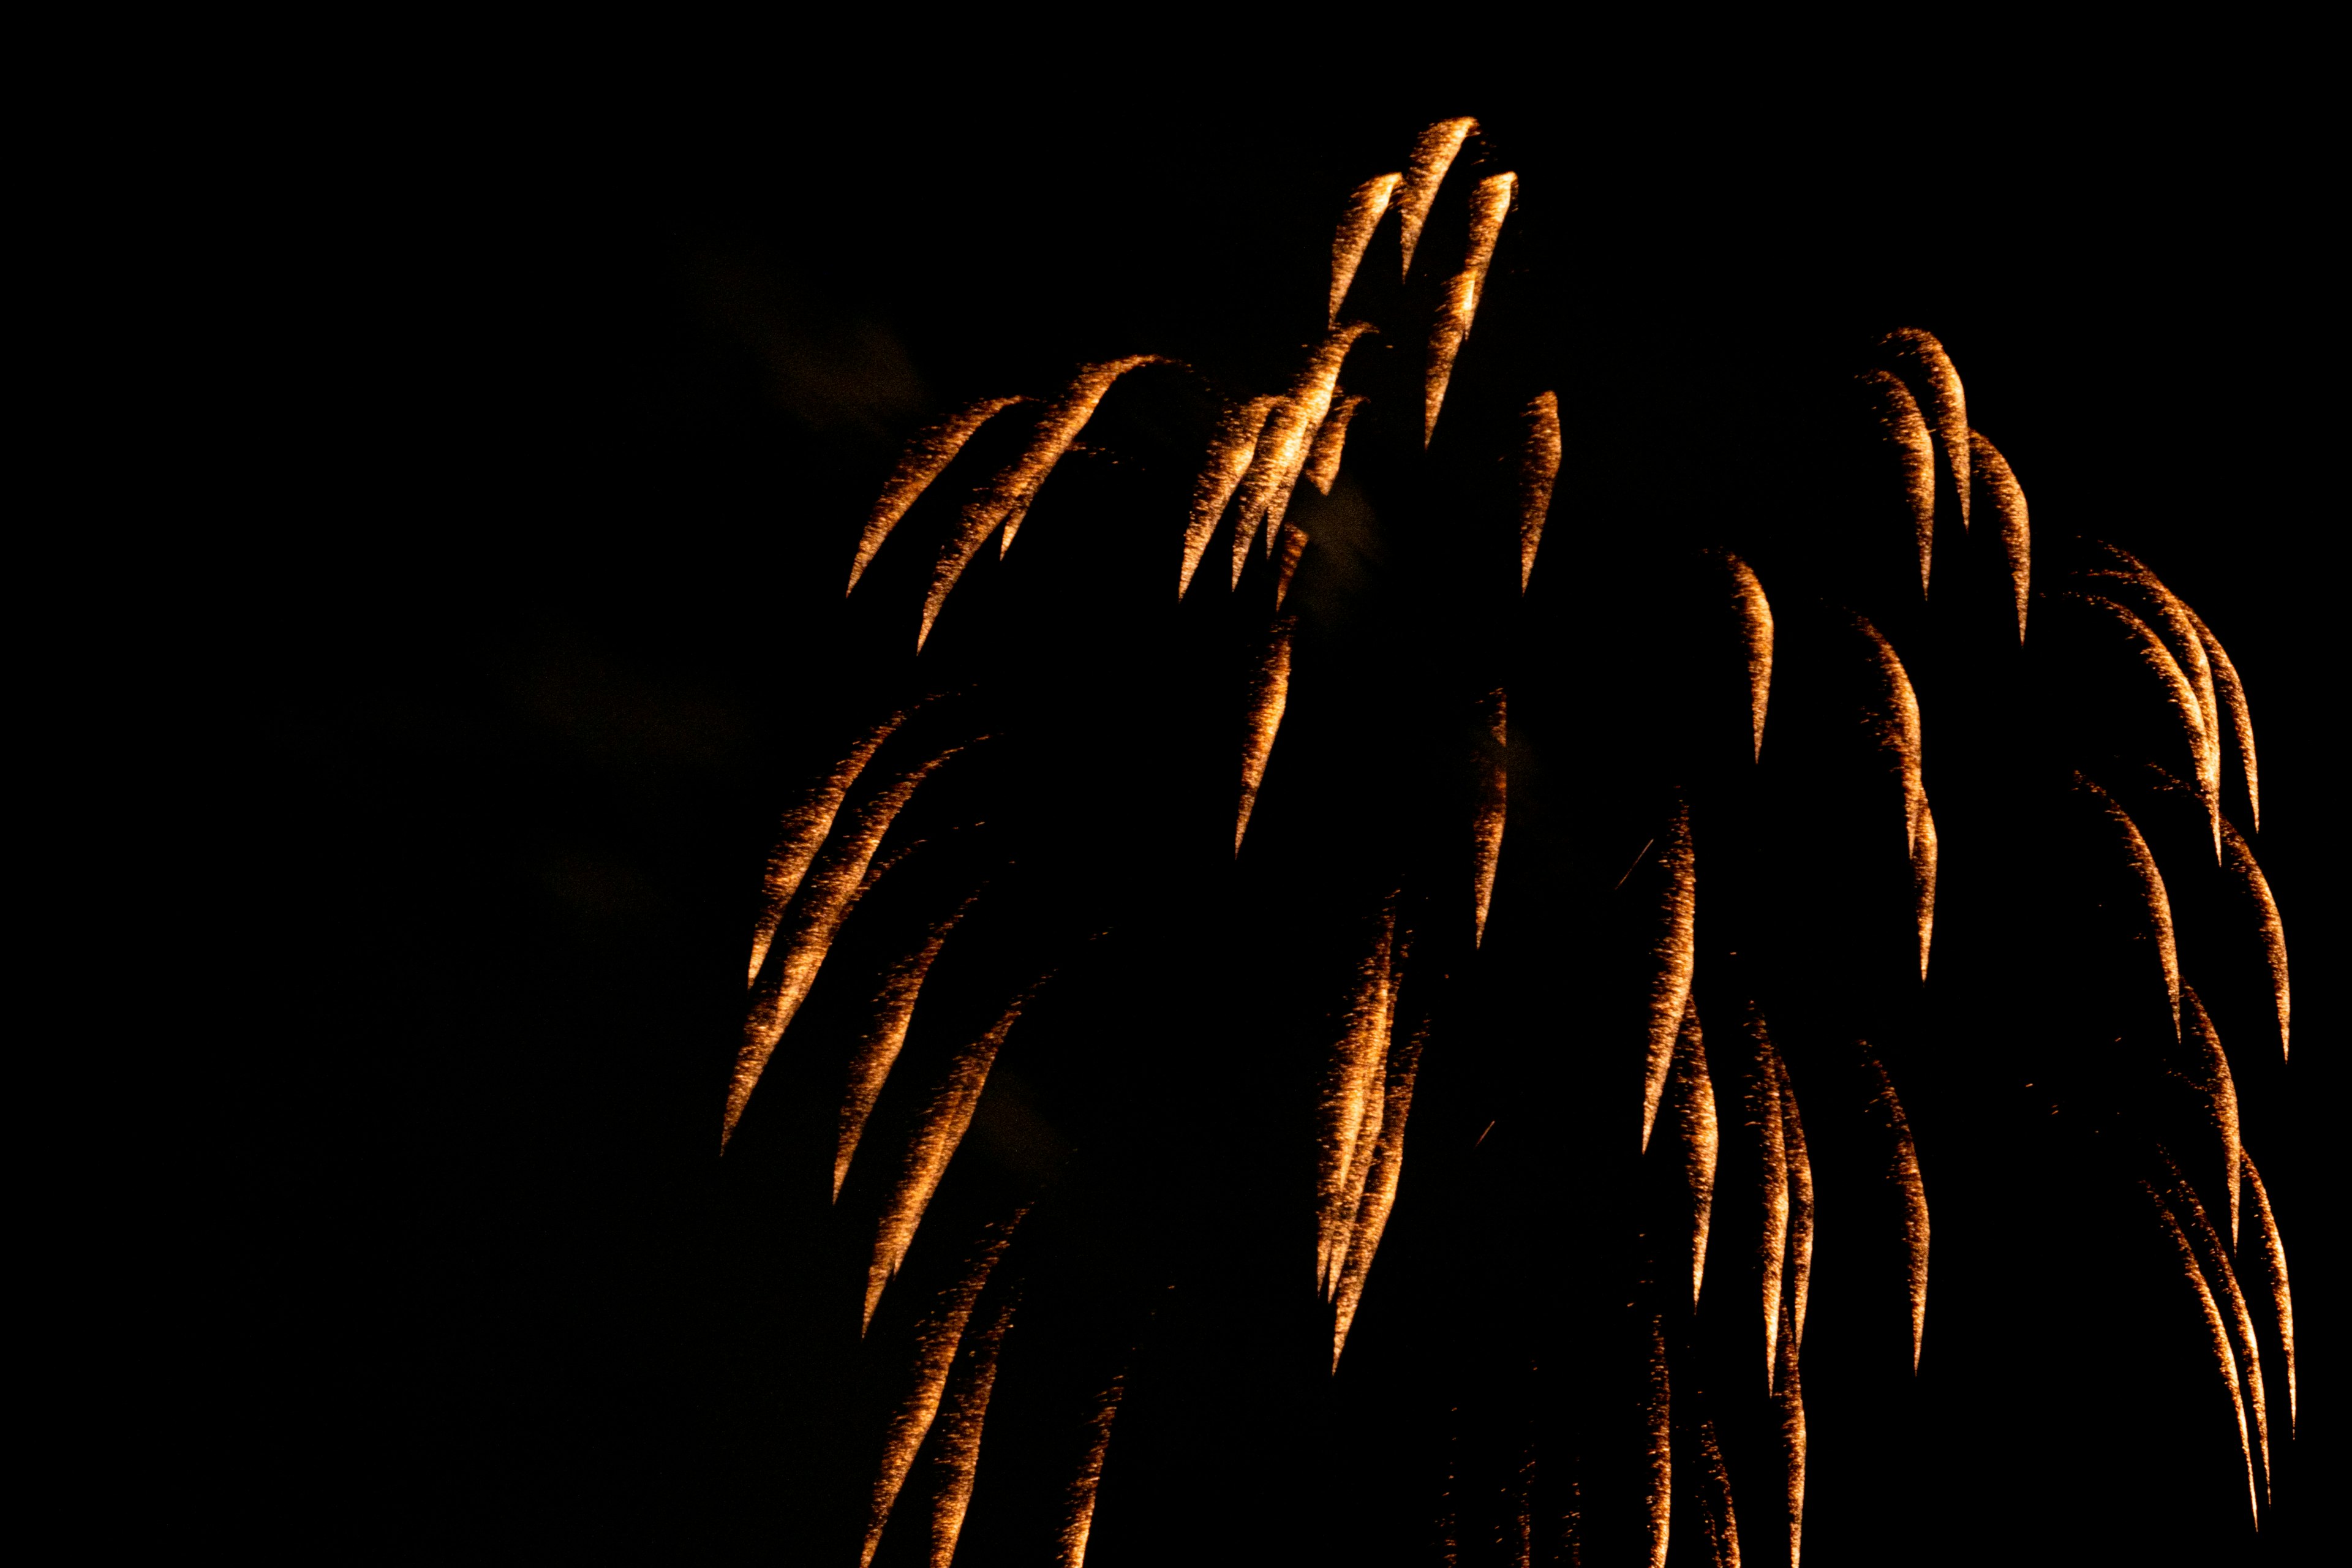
(941, 1127)
(1349, 1081)
(1660, 1404)
(1715, 1499)
(935, 1350)
(1489, 204)
(1763, 1114)
(2214, 1259)
(2164, 611)
(1539, 470)
(1670, 982)
(2274, 1261)
(803, 834)
(1923, 882)
(885, 1035)
(2151, 881)
(1079, 1501)
(2215, 1329)
(1756, 631)
(1695, 1118)
(1009, 495)
(1284, 446)
(1366, 203)
(1330, 439)
(1231, 452)
(2221, 1092)
(925, 458)
(2233, 693)
(1790, 1399)
(1379, 1191)
(1936, 384)
(1425, 172)
(2238, 857)
(958, 1454)
(1897, 725)
(1800, 1273)
(1906, 431)
(2180, 694)
(1904, 1168)
(1486, 815)
(2007, 498)
(820, 905)
(1287, 554)
(1269, 692)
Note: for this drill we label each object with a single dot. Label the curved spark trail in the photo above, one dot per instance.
(1897, 723)
(1799, 1272)
(1763, 1115)
(1353, 1083)
(1992, 471)
(1928, 372)
(1907, 432)
(2214, 1259)
(1387, 1167)
(802, 835)
(925, 459)
(1694, 1114)
(1269, 693)
(1903, 1168)
(2179, 694)
(957, 1455)
(2216, 1331)
(1673, 956)
(1285, 445)
(1755, 613)
(2233, 693)
(1366, 203)
(1660, 1409)
(1433, 155)
(1715, 1500)
(2274, 1262)
(1330, 440)
(1488, 206)
(2238, 858)
(1487, 813)
(893, 1010)
(2213, 1081)
(1231, 452)
(1539, 470)
(1923, 883)
(2156, 901)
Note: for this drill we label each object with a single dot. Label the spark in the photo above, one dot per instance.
(1899, 419)
(2215, 1260)
(2220, 1092)
(1366, 203)
(2180, 693)
(1670, 982)
(1489, 204)
(1897, 724)
(1355, 1059)
(2215, 1329)
(1079, 1501)
(1330, 439)
(925, 458)
(2274, 1261)
(1715, 1499)
(2237, 858)
(1433, 155)
(1800, 1271)
(1487, 813)
(1230, 451)
(803, 834)
(2163, 609)
(838, 881)
(1660, 1409)
(886, 1035)
(2007, 498)
(2233, 692)
(1923, 881)
(2154, 898)
(1695, 1105)
(1286, 556)
(1903, 1168)
(1269, 692)
(1539, 470)
(1790, 1399)
(1762, 1108)
(1944, 406)
(1379, 1191)
(1284, 446)
(1756, 631)
(957, 1455)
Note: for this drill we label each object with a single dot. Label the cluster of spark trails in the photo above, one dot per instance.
(1715, 1121)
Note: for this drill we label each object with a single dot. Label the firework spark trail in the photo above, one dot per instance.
(1660, 1409)
(1366, 204)
(935, 1348)
(1906, 431)
(1286, 556)
(1756, 633)
(2214, 1259)
(1288, 440)
(2220, 1092)
(1330, 441)
(1269, 693)
(1007, 498)
(1539, 471)
(1379, 1191)
(838, 879)
(956, 1456)
(1760, 1110)
(1903, 1168)
(1935, 385)
(1674, 957)
(2274, 1262)
(2233, 693)
(886, 1035)
(1231, 452)
(1715, 1499)
(925, 458)
(1433, 155)
(1923, 882)
(1896, 724)
(1992, 471)
(1700, 1137)
(1489, 204)
(935, 1136)
(802, 835)
(1078, 1521)
(2215, 1329)
(2238, 858)
(1487, 813)
(2153, 896)
(1799, 1271)
(1355, 1058)
(1790, 1400)
(2180, 693)
(2164, 610)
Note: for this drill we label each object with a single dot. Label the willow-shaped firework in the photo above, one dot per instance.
(895, 964)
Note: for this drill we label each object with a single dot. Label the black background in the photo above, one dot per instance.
(680, 356)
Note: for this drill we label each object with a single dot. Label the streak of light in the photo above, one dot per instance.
(2008, 497)
(1897, 725)
(1923, 882)
(1660, 1409)
(925, 458)
(1790, 1400)
(838, 879)
(1907, 432)
(1490, 203)
(2180, 693)
(801, 835)
(2233, 692)
(1355, 1059)
(1424, 172)
(1800, 1273)
(1008, 497)
(1756, 631)
(1674, 955)
(935, 1350)
(939, 1130)
(2214, 1259)
(2275, 1264)
(2164, 610)
(1287, 554)
(1078, 1519)
(1487, 813)
(1230, 451)
(1903, 1169)
(1380, 1192)
(2215, 1329)
(1761, 1112)
(1539, 471)
(886, 1035)
(1715, 1499)
(2238, 858)
(1330, 440)
(1632, 865)
(1366, 203)
(1944, 404)
(1288, 440)
(1269, 693)
(1700, 1137)
(2154, 898)
(958, 1454)
(2221, 1091)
